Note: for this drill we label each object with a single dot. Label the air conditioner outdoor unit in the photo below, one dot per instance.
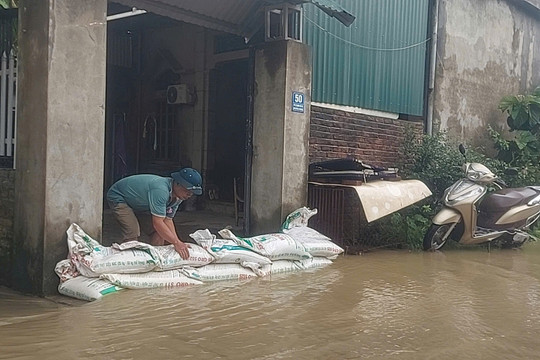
(180, 94)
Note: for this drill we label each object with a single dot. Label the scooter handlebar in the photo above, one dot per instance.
(500, 182)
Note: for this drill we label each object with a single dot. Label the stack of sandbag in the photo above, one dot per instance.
(317, 244)
(231, 261)
(297, 248)
(92, 270)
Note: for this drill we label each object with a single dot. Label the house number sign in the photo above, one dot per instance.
(298, 102)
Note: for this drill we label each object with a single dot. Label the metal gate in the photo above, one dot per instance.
(8, 87)
(8, 109)
(340, 217)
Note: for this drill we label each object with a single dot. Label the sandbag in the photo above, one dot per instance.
(315, 262)
(170, 259)
(227, 251)
(288, 266)
(152, 279)
(314, 242)
(93, 259)
(218, 272)
(85, 288)
(279, 267)
(299, 217)
(65, 269)
(273, 246)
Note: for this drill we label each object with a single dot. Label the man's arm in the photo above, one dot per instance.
(165, 228)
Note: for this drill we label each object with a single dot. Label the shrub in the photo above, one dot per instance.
(436, 161)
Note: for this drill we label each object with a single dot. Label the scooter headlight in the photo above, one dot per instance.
(473, 175)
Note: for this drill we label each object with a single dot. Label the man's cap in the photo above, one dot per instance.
(190, 179)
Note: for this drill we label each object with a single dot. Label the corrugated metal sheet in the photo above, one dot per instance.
(240, 17)
(378, 62)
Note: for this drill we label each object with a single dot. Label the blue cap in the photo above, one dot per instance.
(190, 179)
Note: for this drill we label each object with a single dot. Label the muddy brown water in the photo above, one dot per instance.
(455, 304)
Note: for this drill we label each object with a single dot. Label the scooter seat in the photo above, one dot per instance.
(506, 198)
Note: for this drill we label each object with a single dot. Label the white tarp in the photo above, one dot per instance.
(380, 198)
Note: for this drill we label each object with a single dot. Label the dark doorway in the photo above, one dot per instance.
(227, 126)
(121, 116)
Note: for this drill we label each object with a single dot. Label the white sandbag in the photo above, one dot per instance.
(66, 269)
(315, 262)
(170, 259)
(93, 259)
(152, 279)
(288, 266)
(218, 272)
(85, 288)
(314, 242)
(279, 267)
(273, 246)
(298, 217)
(226, 251)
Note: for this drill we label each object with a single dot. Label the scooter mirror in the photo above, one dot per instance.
(462, 149)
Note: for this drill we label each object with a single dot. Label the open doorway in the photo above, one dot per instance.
(146, 132)
(227, 126)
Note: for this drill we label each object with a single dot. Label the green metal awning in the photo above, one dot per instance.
(240, 17)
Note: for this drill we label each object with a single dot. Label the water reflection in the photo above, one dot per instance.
(465, 304)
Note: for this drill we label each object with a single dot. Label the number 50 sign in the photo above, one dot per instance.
(298, 102)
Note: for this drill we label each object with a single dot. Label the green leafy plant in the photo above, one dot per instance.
(9, 4)
(413, 224)
(523, 111)
(523, 149)
(436, 161)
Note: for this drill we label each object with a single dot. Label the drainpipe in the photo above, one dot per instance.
(432, 67)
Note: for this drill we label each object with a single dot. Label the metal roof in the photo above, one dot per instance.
(378, 63)
(240, 17)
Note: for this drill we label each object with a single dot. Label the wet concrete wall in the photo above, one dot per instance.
(280, 135)
(486, 50)
(60, 134)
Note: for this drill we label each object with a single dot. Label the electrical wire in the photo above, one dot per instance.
(362, 46)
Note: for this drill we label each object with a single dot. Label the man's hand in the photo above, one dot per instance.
(182, 249)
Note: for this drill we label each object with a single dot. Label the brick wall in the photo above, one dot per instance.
(375, 140)
(7, 202)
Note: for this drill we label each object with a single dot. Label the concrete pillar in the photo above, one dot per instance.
(60, 134)
(280, 133)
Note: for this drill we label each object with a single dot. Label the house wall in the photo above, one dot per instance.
(7, 200)
(280, 135)
(485, 50)
(60, 134)
(338, 134)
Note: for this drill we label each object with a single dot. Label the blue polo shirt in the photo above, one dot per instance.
(145, 193)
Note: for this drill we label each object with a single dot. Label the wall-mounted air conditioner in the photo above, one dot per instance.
(180, 94)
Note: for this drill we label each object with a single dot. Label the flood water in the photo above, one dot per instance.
(455, 304)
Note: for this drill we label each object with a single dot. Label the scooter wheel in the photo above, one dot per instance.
(436, 236)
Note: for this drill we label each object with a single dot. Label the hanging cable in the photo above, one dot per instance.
(362, 46)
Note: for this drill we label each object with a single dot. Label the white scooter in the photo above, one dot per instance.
(472, 214)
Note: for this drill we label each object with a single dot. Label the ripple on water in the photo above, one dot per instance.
(454, 304)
